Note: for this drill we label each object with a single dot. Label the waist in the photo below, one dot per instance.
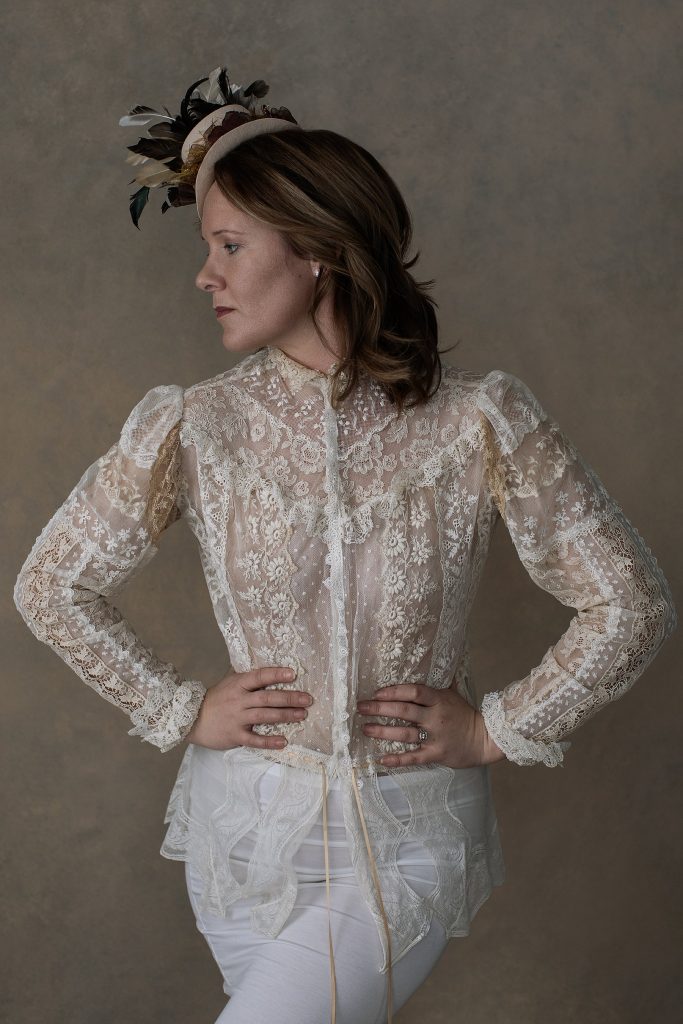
(311, 760)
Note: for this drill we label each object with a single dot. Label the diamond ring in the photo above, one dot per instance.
(422, 735)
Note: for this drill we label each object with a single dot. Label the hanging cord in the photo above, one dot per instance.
(379, 893)
(333, 977)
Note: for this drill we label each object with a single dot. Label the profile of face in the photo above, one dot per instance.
(251, 269)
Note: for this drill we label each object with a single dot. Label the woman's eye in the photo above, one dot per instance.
(231, 245)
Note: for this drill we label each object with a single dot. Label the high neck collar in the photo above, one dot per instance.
(296, 374)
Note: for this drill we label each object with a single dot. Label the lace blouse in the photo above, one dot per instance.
(348, 544)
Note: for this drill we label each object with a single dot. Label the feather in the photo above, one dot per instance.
(224, 85)
(138, 202)
(197, 108)
(172, 163)
(154, 173)
(141, 115)
(258, 88)
(158, 149)
(168, 131)
(186, 98)
(180, 195)
(136, 160)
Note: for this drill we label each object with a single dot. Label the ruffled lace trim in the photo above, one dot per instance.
(467, 869)
(516, 747)
(168, 715)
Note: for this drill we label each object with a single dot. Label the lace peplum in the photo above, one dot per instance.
(349, 545)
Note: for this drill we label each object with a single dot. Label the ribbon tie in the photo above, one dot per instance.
(333, 977)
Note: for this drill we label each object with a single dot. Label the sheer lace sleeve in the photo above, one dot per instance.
(576, 543)
(106, 530)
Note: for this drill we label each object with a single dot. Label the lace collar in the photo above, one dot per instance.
(296, 374)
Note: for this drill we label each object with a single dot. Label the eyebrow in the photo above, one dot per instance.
(221, 231)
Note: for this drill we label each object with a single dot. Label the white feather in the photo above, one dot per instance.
(134, 120)
(155, 173)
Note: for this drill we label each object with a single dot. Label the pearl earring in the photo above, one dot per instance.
(317, 272)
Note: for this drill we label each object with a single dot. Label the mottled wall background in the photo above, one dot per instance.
(538, 145)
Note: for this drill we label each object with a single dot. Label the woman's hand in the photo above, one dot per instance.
(238, 701)
(457, 733)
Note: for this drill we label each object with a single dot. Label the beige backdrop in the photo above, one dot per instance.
(538, 145)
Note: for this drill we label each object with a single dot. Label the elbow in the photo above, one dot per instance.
(40, 602)
(669, 616)
(26, 604)
(22, 602)
(32, 603)
(662, 616)
(666, 608)
(655, 610)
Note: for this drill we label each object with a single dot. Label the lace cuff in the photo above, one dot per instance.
(515, 746)
(165, 721)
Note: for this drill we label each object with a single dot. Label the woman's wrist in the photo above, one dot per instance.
(492, 751)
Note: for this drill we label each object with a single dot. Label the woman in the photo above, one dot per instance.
(333, 804)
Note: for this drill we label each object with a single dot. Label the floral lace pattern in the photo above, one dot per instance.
(348, 544)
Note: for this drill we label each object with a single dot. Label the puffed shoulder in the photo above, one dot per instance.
(511, 407)
(149, 423)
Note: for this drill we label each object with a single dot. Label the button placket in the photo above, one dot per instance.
(341, 736)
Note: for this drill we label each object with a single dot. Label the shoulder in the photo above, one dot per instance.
(499, 387)
(493, 383)
(248, 368)
(499, 396)
(158, 409)
(511, 407)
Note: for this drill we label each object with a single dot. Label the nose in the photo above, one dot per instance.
(208, 280)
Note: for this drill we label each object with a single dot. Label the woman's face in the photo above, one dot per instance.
(250, 268)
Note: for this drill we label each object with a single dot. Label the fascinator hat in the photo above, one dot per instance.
(181, 151)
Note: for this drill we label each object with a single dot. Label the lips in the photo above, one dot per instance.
(221, 310)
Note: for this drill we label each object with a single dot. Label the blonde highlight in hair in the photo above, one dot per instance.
(335, 204)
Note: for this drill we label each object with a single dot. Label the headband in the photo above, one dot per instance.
(181, 151)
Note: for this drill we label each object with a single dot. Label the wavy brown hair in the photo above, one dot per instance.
(334, 203)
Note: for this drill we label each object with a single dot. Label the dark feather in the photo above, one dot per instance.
(259, 88)
(284, 113)
(224, 85)
(157, 149)
(186, 98)
(179, 195)
(138, 201)
(198, 108)
(163, 130)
